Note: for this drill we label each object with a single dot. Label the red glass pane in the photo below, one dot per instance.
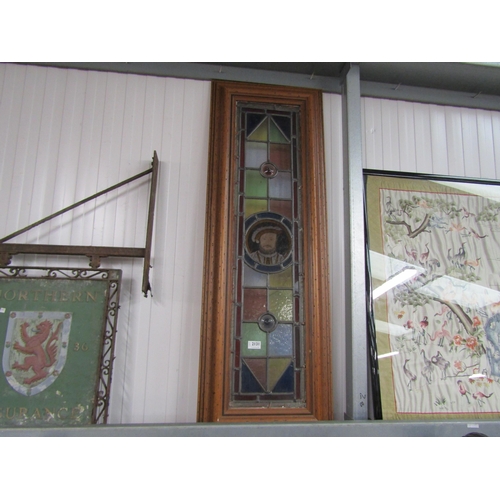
(254, 303)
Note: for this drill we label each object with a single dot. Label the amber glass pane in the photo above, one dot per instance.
(279, 154)
(282, 207)
(254, 303)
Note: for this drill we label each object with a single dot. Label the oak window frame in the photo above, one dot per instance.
(215, 355)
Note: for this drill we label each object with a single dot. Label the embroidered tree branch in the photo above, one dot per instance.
(412, 233)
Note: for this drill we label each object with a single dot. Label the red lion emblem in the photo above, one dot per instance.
(38, 357)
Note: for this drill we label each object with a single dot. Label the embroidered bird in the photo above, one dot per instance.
(427, 369)
(479, 397)
(411, 377)
(441, 363)
(463, 390)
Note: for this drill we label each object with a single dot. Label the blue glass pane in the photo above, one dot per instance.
(285, 383)
(248, 382)
(280, 341)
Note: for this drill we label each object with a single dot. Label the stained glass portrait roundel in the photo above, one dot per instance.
(268, 242)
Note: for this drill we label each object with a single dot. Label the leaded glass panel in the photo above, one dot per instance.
(267, 333)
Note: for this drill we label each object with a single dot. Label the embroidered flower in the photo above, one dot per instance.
(471, 342)
(458, 364)
(457, 340)
(476, 322)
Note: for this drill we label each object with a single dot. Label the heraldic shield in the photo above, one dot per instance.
(36, 349)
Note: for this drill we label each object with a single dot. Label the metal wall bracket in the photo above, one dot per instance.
(94, 253)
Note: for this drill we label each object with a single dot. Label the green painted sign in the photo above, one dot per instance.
(55, 334)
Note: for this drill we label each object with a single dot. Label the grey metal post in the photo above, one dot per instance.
(356, 342)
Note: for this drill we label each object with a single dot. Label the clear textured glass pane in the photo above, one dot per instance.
(281, 186)
(255, 154)
(254, 278)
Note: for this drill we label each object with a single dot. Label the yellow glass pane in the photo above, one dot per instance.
(281, 280)
(260, 133)
(281, 304)
(254, 206)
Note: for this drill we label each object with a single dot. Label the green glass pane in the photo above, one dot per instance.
(260, 133)
(275, 134)
(281, 304)
(254, 206)
(253, 342)
(255, 184)
(281, 280)
(255, 154)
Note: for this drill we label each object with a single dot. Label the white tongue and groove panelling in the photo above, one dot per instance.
(431, 139)
(67, 134)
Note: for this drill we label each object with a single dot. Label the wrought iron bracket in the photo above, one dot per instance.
(93, 253)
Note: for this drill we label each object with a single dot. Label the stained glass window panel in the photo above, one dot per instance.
(268, 249)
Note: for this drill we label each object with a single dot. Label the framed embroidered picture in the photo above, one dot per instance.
(434, 262)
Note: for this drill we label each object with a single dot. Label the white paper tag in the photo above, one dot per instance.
(2, 310)
(254, 344)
